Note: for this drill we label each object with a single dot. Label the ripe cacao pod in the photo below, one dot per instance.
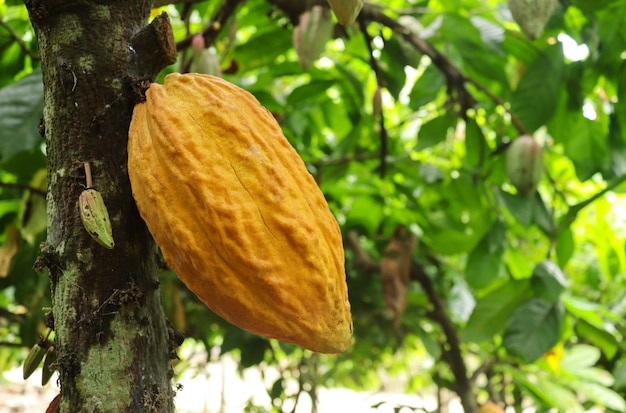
(531, 15)
(236, 213)
(524, 164)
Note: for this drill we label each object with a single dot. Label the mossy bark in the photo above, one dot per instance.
(112, 339)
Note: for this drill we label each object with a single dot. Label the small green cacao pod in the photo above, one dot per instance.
(311, 35)
(48, 365)
(95, 217)
(346, 10)
(35, 355)
(531, 15)
(524, 164)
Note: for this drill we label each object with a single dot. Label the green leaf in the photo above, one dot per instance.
(253, 351)
(312, 93)
(553, 395)
(583, 309)
(475, 144)
(600, 394)
(263, 49)
(548, 281)
(492, 312)
(534, 328)
(542, 216)
(584, 141)
(365, 212)
(427, 87)
(21, 108)
(619, 373)
(564, 246)
(435, 131)
(536, 98)
(392, 62)
(520, 207)
(485, 261)
(599, 337)
(580, 356)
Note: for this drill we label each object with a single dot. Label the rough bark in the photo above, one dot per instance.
(112, 339)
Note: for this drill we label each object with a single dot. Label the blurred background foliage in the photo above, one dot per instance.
(404, 119)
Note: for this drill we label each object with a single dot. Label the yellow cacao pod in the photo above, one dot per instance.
(236, 213)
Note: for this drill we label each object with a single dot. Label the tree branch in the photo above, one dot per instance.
(18, 40)
(212, 29)
(380, 82)
(514, 119)
(153, 47)
(573, 211)
(24, 187)
(454, 78)
(454, 357)
(453, 354)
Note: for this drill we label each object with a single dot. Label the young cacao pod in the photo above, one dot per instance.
(95, 217)
(33, 359)
(346, 10)
(236, 213)
(311, 35)
(531, 15)
(524, 164)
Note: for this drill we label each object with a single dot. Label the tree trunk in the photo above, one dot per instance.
(112, 340)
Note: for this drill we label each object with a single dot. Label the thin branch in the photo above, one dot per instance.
(11, 344)
(212, 29)
(24, 187)
(454, 357)
(381, 83)
(454, 78)
(573, 211)
(347, 159)
(514, 119)
(19, 40)
(8, 315)
(453, 354)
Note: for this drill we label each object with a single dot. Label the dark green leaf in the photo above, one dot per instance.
(492, 312)
(564, 246)
(520, 207)
(548, 281)
(536, 98)
(427, 87)
(534, 328)
(485, 261)
(475, 144)
(599, 337)
(21, 108)
(435, 131)
(365, 212)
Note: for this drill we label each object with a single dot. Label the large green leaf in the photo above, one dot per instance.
(534, 329)
(492, 312)
(548, 281)
(485, 261)
(21, 108)
(435, 130)
(553, 395)
(427, 87)
(600, 394)
(536, 97)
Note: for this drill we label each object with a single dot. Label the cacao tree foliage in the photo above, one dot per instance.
(404, 119)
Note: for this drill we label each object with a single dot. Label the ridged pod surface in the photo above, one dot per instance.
(236, 213)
